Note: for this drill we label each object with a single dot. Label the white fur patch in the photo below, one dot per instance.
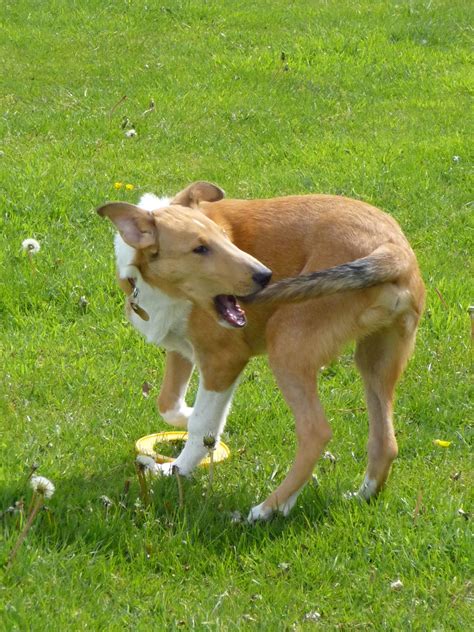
(168, 316)
(261, 512)
(208, 418)
(151, 202)
(368, 488)
(178, 416)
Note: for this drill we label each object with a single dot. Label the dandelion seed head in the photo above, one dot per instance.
(106, 501)
(31, 246)
(130, 133)
(209, 441)
(42, 485)
(146, 464)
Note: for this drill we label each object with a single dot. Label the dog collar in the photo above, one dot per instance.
(133, 300)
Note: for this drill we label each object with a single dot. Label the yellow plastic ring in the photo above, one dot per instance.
(146, 445)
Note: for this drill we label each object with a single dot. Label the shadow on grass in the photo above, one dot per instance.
(103, 514)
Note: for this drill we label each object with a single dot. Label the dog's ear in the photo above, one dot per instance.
(198, 192)
(136, 226)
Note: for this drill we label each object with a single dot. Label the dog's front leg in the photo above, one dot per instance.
(208, 418)
(171, 400)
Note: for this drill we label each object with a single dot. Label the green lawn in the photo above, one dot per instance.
(366, 99)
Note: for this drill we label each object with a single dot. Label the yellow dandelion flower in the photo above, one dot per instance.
(118, 185)
(129, 187)
(441, 443)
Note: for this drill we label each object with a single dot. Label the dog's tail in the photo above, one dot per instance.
(385, 264)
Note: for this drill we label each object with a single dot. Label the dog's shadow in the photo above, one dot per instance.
(106, 512)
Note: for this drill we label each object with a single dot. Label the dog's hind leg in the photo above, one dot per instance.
(295, 373)
(381, 358)
(171, 400)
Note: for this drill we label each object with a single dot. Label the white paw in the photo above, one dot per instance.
(178, 417)
(288, 505)
(164, 469)
(259, 512)
(366, 491)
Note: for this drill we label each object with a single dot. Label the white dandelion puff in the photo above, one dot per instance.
(42, 485)
(130, 133)
(106, 501)
(146, 464)
(31, 246)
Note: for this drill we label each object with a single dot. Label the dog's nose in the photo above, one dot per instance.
(262, 278)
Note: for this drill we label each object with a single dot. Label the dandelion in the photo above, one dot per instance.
(106, 501)
(236, 517)
(145, 465)
(330, 457)
(42, 488)
(118, 185)
(31, 246)
(83, 303)
(209, 442)
(129, 187)
(312, 616)
(130, 133)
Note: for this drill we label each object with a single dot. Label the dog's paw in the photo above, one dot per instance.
(178, 417)
(259, 513)
(265, 512)
(288, 505)
(366, 491)
(164, 469)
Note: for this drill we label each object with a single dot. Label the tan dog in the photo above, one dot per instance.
(342, 270)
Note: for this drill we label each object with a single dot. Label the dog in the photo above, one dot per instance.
(216, 281)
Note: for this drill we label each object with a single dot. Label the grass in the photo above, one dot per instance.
(367, 99)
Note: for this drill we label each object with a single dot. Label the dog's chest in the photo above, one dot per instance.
(167, 317)
(167, 322)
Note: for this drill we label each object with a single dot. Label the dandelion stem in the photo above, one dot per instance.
(211, 471)
(180, 486)
(21, 538)
(33, 469)
(143, 485)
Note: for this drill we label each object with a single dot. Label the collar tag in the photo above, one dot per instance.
(133, 301)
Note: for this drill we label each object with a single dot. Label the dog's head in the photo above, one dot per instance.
(185, 254)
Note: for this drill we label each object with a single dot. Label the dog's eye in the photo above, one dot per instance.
(201, 250)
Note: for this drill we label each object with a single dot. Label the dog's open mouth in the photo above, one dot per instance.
(229, 310)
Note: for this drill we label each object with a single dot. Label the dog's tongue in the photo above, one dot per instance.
(228, 308)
